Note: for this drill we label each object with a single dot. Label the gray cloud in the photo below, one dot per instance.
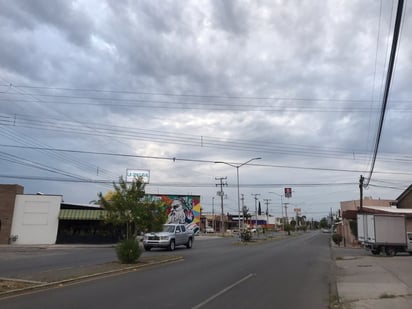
(291, 82)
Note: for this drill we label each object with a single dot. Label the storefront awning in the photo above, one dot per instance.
(82, 214)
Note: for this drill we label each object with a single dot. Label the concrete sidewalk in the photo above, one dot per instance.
(367, 281)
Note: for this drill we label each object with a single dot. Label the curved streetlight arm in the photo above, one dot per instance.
(238, 165)
(238, 190)
(221, 162)
(249, 161)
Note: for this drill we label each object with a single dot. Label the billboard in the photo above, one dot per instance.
(183, 209)
(132, 174)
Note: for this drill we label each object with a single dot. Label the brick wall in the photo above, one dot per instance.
(7, 200)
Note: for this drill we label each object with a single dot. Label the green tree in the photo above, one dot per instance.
(128, 207)
(246, 214)
(288, 228)
(324, 223)
(293, 224)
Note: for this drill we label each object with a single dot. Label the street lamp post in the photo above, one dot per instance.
(237, 166)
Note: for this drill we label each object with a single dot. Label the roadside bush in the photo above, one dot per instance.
(128, 251)
(246, 235)
(337, 238)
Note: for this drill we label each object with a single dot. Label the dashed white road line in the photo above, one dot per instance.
(223, 291)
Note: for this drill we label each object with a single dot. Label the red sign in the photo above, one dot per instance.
(288, 192)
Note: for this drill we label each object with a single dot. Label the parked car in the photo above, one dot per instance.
(209, 229)
(172, 235)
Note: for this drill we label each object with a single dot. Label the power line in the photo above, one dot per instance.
(170, 105)
(174, 159)
(387, 86)
(237, 97)
(183, 139)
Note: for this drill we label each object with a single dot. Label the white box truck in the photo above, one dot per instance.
(384, 233)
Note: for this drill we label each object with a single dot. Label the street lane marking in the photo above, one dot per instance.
(223, 291)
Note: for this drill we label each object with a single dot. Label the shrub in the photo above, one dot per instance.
(246, 235)
(128, 251)
(337, 238)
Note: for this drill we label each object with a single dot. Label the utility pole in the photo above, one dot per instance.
(221, 193)
(361, 179)
(213, 213)
(243, 211)
(266, 200)
(286, 212)
(255, 197)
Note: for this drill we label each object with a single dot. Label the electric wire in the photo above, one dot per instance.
(174, 159)
(387, 87)
(191, 140)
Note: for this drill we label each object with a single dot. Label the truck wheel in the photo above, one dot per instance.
(147, 248)
(375, 252)
(172, 245)
(390, 251)
(189, 243)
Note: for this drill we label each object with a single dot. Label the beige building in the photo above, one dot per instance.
(349, 210)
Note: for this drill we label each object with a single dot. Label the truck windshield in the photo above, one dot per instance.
(168, 228)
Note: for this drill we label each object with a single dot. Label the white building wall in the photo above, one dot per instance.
(36, 219)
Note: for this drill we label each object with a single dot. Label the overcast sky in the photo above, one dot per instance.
(89, 89)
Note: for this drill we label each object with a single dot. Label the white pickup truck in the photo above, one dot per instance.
(172, 235)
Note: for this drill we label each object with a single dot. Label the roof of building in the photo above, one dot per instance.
(82, 214)
(65, 205)
(351, 214)
(404, 194)
(389, 209)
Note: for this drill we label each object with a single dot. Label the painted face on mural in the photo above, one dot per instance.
(177, 213)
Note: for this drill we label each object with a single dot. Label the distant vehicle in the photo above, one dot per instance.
(326, 231)
(384, 233)
(172, 235)
(209, 229)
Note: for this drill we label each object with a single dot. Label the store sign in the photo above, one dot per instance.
(288, 192)
(134, 174)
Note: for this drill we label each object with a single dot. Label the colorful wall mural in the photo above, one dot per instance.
(180, 208)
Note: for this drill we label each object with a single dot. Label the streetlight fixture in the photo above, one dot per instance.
(237, 166)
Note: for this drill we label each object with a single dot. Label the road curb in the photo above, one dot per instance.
(334, 299)
(42, 285)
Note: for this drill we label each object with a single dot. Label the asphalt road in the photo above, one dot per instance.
(25, 263)
(216, 273)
